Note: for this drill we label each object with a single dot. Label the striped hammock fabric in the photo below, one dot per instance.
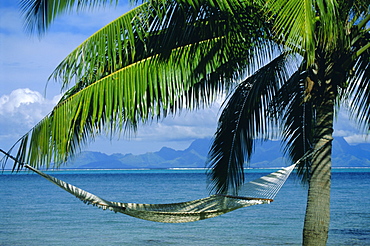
(259, 191)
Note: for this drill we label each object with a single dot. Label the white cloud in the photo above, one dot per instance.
(357, 139)
(20, 111)
(347, 128)
(9, 104)
(200, 124)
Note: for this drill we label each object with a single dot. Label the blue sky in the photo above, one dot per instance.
(27, 61)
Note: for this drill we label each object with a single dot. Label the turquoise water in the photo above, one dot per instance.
(36, 212)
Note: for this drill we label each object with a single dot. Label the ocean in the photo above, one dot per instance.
(34, 211)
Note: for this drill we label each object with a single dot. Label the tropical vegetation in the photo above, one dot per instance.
(286, 65)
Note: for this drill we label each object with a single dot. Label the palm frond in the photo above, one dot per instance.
(244, 118)
(328, 33)
(184, 25)
(356, 90)
(113, 47)
(133, 94)
(39, 14)
(359, 89)
(296, 112)
(294, 24)
(155, 28)
(301, 25)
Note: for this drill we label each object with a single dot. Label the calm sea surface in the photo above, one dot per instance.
(33, 211)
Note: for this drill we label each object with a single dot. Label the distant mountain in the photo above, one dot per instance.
(267, 154)
(345, 155)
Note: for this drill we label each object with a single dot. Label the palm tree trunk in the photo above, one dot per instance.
(317, 218)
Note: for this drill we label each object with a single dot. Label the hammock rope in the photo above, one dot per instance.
(259, 191)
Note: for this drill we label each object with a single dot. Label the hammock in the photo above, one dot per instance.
(259, 191)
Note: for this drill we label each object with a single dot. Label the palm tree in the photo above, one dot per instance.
(301, 61)
(332, 40)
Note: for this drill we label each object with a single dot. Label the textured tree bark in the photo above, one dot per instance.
(317, 218)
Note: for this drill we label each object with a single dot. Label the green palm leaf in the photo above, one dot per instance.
(157, 28)
(244, 118)
(296, 21)
(296, 113)
(113, 47)
(132, 94)
(359, 91)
